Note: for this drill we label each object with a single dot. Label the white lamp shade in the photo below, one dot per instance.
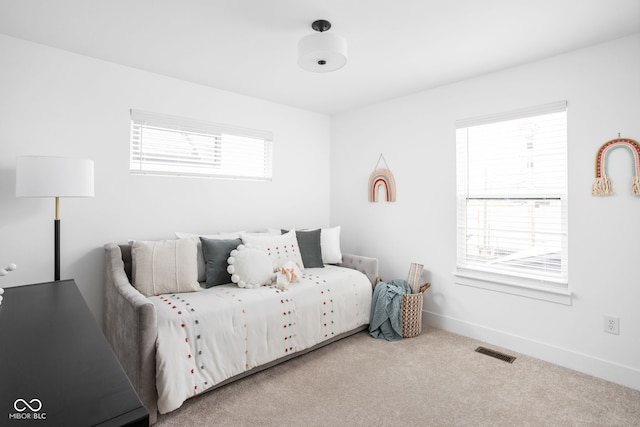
(46, 176)
(322, 52)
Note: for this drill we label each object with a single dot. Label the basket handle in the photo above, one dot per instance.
(425, 287)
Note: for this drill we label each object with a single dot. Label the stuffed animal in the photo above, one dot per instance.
(287, 273)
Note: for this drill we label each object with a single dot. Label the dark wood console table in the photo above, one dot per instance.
(56, 366)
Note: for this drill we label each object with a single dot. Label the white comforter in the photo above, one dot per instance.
(206, 337)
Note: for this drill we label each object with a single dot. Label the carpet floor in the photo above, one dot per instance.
(435, 379)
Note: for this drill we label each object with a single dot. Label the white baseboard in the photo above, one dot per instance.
(609, 371)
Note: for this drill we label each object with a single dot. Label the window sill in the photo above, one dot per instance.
(545, 291)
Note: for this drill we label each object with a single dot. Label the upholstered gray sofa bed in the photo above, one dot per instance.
(131, 323)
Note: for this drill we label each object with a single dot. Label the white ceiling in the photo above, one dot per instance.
(249, 46)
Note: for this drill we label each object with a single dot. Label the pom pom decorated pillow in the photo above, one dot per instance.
(250, 267)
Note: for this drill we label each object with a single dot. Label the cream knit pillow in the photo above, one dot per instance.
(165, 266)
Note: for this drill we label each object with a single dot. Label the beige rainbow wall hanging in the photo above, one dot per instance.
(602, 184)
(382, 178)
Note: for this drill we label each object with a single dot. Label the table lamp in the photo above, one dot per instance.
(47, 176)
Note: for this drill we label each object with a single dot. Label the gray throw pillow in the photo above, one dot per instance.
(216, 252)
(310, 248)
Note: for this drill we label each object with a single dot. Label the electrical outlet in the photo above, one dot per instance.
(612, 325)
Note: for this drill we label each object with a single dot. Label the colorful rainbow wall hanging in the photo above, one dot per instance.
(382, 178)
(602, 184)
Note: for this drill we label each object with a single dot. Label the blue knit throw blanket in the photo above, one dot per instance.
(386, 319)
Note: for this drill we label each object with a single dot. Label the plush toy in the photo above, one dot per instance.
(250, 267)
(287, 273)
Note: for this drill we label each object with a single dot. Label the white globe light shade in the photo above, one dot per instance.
(322, 52)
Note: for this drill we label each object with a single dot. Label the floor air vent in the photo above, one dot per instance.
(496, 354)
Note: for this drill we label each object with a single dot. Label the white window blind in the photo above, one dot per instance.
(167, 145)
(512, 194)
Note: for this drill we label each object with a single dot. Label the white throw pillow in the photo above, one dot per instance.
(165, 266)
(281, 248)
(330, 244)
(250, 267)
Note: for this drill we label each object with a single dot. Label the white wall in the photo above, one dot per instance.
(416, 136)
(56, 103)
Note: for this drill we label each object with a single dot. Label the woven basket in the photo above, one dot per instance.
(411, 310)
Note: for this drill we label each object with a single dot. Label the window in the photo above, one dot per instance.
(512, 200)
(166, 145)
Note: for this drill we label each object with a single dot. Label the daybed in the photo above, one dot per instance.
(176, 345)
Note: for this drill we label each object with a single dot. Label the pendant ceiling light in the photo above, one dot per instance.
(322, 52)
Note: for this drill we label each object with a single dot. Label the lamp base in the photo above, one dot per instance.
(56, 249)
